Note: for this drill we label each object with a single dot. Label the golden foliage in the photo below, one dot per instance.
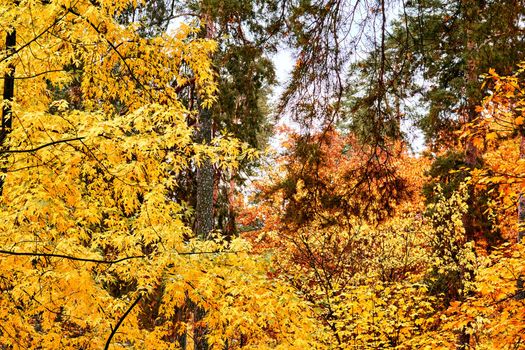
(91, 235)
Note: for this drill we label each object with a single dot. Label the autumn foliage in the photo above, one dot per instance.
(342, 244)
(96, 251)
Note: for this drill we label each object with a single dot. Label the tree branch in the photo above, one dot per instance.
(36, 75)
(114, 48)
(103, 261)
(70, 257)
(41, 146)
(114, 330)
(38, 36)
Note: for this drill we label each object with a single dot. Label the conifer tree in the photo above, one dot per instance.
(246, 32)
(435, 52)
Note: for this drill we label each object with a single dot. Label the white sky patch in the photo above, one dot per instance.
(174, 25)
(284, 62)
(414, 136)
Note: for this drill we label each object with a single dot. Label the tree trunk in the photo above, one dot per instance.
(464, 340)
(9, 86)
(472, 153)
(204, 219)
(471, 74)
(204, 205)
(521, 200)
(9, 92)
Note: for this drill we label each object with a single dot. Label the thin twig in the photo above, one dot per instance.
(41, 146)
(70, 257)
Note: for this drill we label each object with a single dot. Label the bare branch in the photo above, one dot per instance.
(103, 261)
(40, 147)
(114, 330)
(69, 257)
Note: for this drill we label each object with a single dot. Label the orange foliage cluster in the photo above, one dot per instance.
(333, 178)
(347, 226)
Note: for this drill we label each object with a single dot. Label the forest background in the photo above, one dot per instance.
(132, 216)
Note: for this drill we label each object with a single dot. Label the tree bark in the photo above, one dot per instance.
(204, 206)
(9, 92)
(204, 219)
(472, 153)
(9, 86)
(471, 73)
(464, 340)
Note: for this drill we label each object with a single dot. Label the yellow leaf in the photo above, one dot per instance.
(491, 136)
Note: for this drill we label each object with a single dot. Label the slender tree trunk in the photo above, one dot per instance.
(204, 219)
(200, 330)
(9, 86)
(9, 92)
(464, 340)
(231, 229)
(472, 153)
(204, 206)
(471, 73)
(521, 200)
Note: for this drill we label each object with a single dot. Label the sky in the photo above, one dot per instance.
(283, 61)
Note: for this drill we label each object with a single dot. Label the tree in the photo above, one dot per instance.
(94, 251)
(428, 69)
(345, 250)
(502, 118)
(436, 51)
(9, 89)
(246, 33)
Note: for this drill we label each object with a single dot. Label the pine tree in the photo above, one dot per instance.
(436, 52)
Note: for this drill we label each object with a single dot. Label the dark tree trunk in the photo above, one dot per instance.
(464, 340)
(472, 153)
(204, 205)
(204, 219)
(203, 212)
(521, 200)
(471, 9)
(9, 92)
(9, 86)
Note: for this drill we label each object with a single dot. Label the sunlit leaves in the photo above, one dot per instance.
(89, 203)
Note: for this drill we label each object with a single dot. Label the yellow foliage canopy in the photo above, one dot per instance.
(91, 236)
